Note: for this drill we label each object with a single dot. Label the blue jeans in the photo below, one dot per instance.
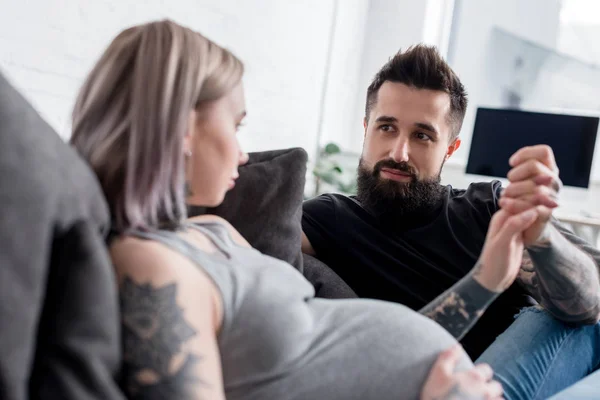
(538, 356)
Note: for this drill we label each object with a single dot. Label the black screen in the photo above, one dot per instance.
(499, 133)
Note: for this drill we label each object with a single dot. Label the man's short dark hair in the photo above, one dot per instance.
(422, 67)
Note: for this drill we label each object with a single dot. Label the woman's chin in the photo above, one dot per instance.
(214, 201)
(204, 202)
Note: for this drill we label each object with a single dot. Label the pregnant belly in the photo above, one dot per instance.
(359, 349)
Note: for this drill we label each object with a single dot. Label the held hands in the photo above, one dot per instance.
(502, 253)
(534, 183)
(526, 208)
(445, 384)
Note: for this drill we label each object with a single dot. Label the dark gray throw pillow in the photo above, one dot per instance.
(327, 283)
(266, 204)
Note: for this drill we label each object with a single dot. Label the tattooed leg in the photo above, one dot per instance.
(156, 366)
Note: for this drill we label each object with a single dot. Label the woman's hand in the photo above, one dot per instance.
(502, 253)
(445, 384)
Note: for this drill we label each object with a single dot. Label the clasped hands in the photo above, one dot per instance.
(526, 207)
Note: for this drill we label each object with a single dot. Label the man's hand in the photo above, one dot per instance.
(561, 271)
(534, 182)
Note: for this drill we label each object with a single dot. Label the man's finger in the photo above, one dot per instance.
(520, 188)
(542, 153)
(553, 182)
(530, 186)
(539, 195)
(515, 206)
(533, 200)
(529, 170)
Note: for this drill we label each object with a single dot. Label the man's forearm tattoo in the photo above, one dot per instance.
(156, 364)
(561, 272)
(459, 308)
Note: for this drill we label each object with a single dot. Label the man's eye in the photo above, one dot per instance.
(386, 128)
(423, 136)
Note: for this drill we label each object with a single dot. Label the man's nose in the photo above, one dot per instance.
(400, 151)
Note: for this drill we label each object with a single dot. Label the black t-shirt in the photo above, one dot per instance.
(412, 263)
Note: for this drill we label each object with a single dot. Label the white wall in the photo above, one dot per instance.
(578, 38)
(535, 20)
(390, 26)
(48, 46)
(344, 88)
(297, 56)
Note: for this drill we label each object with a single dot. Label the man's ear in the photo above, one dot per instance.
(454, 145)
(365, 126)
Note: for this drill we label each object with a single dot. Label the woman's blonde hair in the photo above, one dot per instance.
(132, 114)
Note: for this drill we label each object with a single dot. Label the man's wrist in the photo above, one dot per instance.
(545, 238)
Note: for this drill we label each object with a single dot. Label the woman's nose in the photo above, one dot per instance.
(243, 158)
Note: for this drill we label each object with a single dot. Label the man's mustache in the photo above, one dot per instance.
(391, 164)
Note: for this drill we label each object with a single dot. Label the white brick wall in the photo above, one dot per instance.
(48, 46)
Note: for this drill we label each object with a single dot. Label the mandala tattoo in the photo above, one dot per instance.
(154, 332)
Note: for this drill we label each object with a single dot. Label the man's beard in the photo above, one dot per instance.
(391, 199)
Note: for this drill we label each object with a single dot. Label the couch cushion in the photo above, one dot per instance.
(265, 206)
(59, 335)
(327, 283)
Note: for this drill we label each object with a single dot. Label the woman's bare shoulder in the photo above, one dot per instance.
(152, 261)
(128, 252)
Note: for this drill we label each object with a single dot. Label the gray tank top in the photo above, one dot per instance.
(278, 341)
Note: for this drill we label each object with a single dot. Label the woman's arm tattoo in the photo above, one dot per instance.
(459, 308)
(156, 364)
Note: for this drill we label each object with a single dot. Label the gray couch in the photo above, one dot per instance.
(59, 335)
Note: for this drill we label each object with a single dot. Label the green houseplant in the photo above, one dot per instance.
(330, 171)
